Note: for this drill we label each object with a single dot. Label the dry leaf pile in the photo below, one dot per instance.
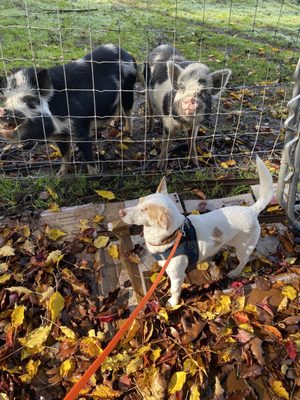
(236, 344)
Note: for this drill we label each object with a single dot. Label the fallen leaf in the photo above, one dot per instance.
(177, 381)
(106, 194)
(54, 258)
(52, 193)
(5, 277)
(17, 316)
(66, 368)
(113, 251)
(104, 392)
(56, 305)
(54, 234)
(101, 241)
(279, 390)
(7, 251)
(289, 292)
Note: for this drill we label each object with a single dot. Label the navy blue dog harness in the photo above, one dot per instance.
(188, 246)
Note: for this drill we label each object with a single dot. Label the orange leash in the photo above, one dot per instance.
(72, 394)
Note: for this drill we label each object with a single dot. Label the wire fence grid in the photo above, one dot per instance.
(246, 120)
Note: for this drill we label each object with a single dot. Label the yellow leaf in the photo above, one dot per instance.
(31, 368)
(3, 267)
(203, 266)
(54, 234)
(227, 164)
(53, 207)
(56, 153)
(154, 276)
(113, 251)
(163, 313)
(135, 365)
(195, 394)
(105, 392)
(55, 305)
(17, 316)
(66, 368)
(36, 338)
(90, 347)
(273, 208)
(101, 242)
(54, 257)
(6, 277)
(195, 212)
(106, 194)
(223, 304)
(123, 146)
(26, 230)
(246, 327)
(113, 363)
(52, 193)
(7, 251)
(67, 332)
(47, 294)
(190, 366)
(251, 308)
(177, 381)
(98, 218)
(155, 354)
(19, 290)
(135, 326)
(289, 292)
(283, 304)
(279, 390)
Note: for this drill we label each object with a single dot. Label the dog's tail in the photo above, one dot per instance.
(265, 186)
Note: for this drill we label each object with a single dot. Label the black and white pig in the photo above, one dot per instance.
(180, 92)
(63, 103)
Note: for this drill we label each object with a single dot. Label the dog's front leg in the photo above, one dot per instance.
(176, 273)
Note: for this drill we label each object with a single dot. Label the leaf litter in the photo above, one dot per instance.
(225, 340)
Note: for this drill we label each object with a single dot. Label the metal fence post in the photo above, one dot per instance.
(290, 162)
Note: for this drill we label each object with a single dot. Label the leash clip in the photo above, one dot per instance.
(181, 229)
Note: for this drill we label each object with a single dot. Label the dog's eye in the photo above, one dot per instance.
(145, 209)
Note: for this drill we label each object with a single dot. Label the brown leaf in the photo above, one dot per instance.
(256, 348)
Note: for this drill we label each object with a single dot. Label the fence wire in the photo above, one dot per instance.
(247, 119)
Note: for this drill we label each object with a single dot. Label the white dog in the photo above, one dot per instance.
(235, 226)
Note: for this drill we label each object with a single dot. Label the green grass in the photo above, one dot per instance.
(251, 40)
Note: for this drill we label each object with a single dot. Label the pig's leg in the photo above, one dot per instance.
(65, 149)
(193, 156)
(163, 158)
(150, 113)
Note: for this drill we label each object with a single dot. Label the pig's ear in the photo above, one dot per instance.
(162, 187)
(220, 79)
(174, 70)
(39, 78)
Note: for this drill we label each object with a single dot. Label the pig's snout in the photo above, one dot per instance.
(189, 105)
(2, 112)
(122, 212)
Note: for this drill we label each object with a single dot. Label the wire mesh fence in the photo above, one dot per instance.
(257, 41)
(288, 185)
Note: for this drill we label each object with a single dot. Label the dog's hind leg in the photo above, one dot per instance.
(176, 273)
(244, 245)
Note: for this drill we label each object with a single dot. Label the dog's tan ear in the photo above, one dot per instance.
(160, 215)
(162, 187)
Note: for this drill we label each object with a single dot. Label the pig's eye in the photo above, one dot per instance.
(181, 86)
